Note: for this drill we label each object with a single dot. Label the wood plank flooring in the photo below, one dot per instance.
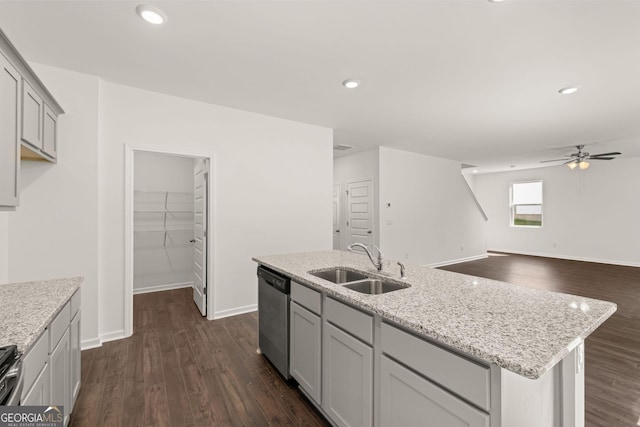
(178, 369)
(613, 351)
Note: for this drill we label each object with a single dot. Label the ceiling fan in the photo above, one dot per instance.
(580, 159)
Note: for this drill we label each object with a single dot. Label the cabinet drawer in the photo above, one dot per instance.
(350, 319)
(59, 325)
(462, 376)
(34, 361)
(306, 297)
(75, 303)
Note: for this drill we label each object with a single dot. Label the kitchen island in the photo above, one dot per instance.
(506, 354)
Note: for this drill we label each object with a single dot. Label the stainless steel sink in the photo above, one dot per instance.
(375, 286)
(339, 275)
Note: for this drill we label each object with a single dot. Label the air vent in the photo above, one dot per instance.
(341, 147)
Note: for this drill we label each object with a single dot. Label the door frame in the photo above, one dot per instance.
(129, 164)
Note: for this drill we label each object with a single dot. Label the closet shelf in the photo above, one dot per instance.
(168, 212)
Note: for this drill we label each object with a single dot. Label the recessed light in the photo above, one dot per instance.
(496, 1)
(568, 90)
(351, 83)
(151, 14)
(475, 171)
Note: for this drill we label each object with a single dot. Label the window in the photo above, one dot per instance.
(526, 204)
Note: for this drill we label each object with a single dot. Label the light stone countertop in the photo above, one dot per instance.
(523, 330)
(27, 308)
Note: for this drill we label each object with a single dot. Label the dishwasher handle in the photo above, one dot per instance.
(271, 278)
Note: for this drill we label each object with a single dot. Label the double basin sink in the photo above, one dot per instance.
(358, 282)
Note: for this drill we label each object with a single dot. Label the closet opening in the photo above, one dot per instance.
(167, 230)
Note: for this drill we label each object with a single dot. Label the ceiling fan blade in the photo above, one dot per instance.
(570, 161)
(555, 160)
(601, 158)
(614, 153)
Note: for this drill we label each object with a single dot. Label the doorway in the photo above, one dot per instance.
(167, 205)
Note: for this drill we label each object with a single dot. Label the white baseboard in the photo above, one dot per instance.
(457, 261)
(235, 311)
(112, 336)
(90, 343)
(159, 288)
(568, 257)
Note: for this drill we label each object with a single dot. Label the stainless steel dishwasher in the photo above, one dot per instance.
(273, 318)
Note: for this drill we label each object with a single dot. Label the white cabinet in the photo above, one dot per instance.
(49, 132)
(60, 378)
(74, 357)
(305, 349)
(28, 120)
(10, 82)
(39, 394)
(51, 367)
(347, 365)
(32, 113)
(407, 399)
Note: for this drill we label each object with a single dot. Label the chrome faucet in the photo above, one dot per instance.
(376, 263)
(402, 267)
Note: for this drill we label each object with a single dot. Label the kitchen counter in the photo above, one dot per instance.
(27, 308)
(526, 331)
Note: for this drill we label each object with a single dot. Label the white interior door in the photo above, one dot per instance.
(336, 216)
(200, 180)
(360, 212)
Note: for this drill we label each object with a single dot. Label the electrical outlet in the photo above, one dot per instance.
(462, 247)
(406, 256)
(554, 244)
(389, 222)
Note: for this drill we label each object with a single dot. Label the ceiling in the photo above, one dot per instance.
(468, 80)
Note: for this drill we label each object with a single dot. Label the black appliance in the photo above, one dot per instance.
(11, 380)
(273, 318)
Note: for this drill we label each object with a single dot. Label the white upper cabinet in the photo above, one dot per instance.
(28, 120)
(10, 82)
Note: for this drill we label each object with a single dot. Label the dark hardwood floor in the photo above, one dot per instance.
(178, 369)
(612, 351)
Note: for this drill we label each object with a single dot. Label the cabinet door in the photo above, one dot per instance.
(59, 365)
(305, 349)
(347, 381)
(32, 112)
(49, 132)
(40, 392)
(407, 399)
(10, 82)
(74, 359)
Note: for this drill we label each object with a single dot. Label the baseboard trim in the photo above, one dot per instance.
(457, 261)
(568, 257)
(234, 311)
(112, 336)
(90, 343)
(160, 288)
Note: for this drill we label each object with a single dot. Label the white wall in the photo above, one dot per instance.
(272, 187)
(54, 231)
(161, 262)
(360, 166)
(433, 218)
(588, 215)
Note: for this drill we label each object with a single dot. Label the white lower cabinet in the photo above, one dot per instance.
(40, 392)
(60, 379)
(408, 399)
(347, 381)
(305, 349)
(74, 358)
(52, 365)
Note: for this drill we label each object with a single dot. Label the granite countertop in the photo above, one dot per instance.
(27, 308)
(523, 330)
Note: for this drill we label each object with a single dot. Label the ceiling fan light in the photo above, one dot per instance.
(583, 164)
(572, 165)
